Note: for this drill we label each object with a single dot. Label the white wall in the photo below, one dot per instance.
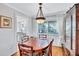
(8, 35)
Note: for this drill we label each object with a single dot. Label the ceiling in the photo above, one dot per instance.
(31, 9)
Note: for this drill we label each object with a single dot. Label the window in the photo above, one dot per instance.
(52, 27)
(42, 28)
(47, 28)
(21, 24)
(21, 27)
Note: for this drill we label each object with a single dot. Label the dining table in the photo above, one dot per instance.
(37, 44)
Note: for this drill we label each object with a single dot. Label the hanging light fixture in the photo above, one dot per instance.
(40, 18)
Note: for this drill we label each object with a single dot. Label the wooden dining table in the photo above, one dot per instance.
(37, 44)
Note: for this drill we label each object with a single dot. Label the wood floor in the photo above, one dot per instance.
(56, 51)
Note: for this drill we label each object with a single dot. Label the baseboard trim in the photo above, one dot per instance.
(14, 54)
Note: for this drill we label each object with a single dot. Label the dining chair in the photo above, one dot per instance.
(47, 51)
(50, 48)
(42, 36)
(65, 51)
(25, 50)
(25, 38)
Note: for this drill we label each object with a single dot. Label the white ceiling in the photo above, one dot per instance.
(31, 9)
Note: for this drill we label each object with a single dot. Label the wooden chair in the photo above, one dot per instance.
(48, 50)
(43, 36)
(25, 38)
(25, 50)
(65, 51)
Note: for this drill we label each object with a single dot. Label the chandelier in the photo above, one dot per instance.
(40, 18)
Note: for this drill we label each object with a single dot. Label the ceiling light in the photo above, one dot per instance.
(40, 18)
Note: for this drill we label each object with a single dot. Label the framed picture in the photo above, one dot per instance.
(5, 22)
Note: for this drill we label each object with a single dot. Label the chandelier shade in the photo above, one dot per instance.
(40, 18)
